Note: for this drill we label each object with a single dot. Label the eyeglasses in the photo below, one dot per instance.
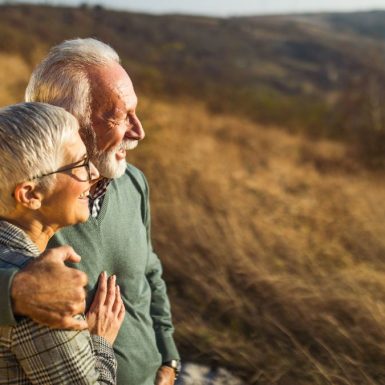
(85, 163)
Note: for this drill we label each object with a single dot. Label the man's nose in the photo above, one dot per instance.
(136, 131)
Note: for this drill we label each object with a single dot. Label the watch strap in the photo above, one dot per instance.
(174, 364)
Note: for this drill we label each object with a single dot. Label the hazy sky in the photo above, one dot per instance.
(230, 7)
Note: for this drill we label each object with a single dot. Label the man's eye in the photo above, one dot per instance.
(113, 122)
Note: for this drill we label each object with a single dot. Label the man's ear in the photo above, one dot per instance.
(27, 195)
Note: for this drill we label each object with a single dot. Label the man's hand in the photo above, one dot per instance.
(49, 292)
(165, 376)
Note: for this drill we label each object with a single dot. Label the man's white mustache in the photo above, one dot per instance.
(128, 144)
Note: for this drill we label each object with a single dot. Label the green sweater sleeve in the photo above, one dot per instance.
(6, 314)
(160, 309)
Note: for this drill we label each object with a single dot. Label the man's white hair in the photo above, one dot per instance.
(31, 144)
(62, 78)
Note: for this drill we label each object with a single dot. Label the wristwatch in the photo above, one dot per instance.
(175, 364)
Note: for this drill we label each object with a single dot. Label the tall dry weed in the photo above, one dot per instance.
(273, 248)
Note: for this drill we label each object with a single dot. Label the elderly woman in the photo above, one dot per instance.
(45, 179)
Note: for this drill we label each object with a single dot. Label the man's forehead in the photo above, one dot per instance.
(111, 81)
(110, 76)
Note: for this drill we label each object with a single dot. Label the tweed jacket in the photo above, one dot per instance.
(35, 354)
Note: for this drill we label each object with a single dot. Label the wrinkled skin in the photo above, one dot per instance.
(115, 125)
(65, 298)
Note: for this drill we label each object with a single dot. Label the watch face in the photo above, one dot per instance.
(178, 366)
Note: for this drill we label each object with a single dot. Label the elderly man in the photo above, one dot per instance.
(84, 76)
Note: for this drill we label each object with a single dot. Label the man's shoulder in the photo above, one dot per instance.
(133, 171)
(133, 177)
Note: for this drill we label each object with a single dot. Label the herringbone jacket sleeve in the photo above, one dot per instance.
(52, 357)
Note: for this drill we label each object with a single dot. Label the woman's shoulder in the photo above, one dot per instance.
(11, 259)
(40, 337)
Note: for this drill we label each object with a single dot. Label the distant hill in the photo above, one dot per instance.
(297, 71)
(293, 54)
(367, 24)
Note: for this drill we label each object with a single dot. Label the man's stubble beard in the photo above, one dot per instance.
(105, 161)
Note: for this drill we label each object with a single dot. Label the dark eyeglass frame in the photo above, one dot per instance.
(86, 164)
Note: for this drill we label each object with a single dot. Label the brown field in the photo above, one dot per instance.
(273, 244)
(273, 248)
(11, 87)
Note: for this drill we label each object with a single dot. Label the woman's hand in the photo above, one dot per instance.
(107, 310)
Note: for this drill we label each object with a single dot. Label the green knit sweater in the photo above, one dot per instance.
(118, 242)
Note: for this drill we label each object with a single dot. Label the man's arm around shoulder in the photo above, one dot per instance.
(45, 290)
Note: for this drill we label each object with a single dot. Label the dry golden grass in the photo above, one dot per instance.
(273, 246)
(14, 74)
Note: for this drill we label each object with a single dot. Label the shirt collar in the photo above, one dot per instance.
(101, 188)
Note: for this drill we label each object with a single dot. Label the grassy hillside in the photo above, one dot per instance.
(290, 55)
(272, 240)
(273, 248)
(293, 71)
(368, 24)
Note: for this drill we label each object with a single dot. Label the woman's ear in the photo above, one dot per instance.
(27, 195)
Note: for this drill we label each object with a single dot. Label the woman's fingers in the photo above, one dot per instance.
(102, 288)
(110, 297)
(116, 306)
(101, 292)
(107, 310)
(107, 295)
(122, 311)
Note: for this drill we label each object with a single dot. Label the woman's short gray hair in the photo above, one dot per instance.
(62, 77)
(31, 143)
